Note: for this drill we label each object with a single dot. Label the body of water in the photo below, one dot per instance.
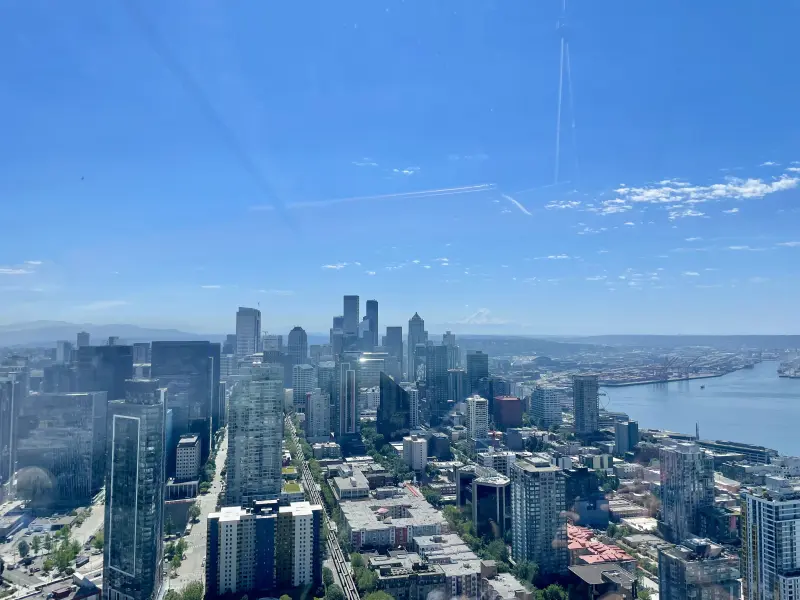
(754, 406)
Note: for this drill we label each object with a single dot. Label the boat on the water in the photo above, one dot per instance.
(702, 387)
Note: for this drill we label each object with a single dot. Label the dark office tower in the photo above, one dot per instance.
(586, 404)
(347, 399)
(477, 369)
(61, 437)
(298, 346)
(10, 399)
(190, 372)
(141, 353)
(59, 378)
(372, 316)
(351, 315)
(229, 346)
(338, 322)
(394, 410)
(436, 380)
(105, 369)
(113, 340)
(457, 385)
(416, 335)
(248, 331)
(135, 493)
(83, 339)
(393, 343)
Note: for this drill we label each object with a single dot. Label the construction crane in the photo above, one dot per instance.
(663, 369)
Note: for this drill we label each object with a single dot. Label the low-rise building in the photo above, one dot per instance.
(405, 576)
(461, 566)
(389, 522)
(291, 491)
(503, 586)
(697, 569)
(607, 580)
(353, 486)
(415, 452)
(187, 458)
(326, 450)
(586, 549)
(499, 460)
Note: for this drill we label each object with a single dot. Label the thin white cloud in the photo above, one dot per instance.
(406, 171)
(415, 261)
(102, 305)
(211, 287)
(443, 259)
(518, 204)
(745, 248)
(558, 257)
(682, 213)
(14, 271)
(793, 169)
(370, 272)
(596, 278)
(693, 239)
(562, 204)
(758, 279)
(708, 286)
(335, 266)
(602, 251)
(629, 223)
(426, 266)
(277, 292)
(365, 162)
(33, 263)
(731, 211)
(691, 274)
(467, 189)
(770, 163)
(789, 244)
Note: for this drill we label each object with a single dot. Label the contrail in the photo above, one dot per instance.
(467, 189)
(517, 204)
(193, 89)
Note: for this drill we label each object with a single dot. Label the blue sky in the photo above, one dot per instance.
(163, 163)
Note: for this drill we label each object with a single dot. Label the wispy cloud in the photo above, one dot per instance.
(14, 271)
(558, 257)
(693, 239)
(562, 204)
(406, 171)
(277, 292)
(483, 316)
(758, 279)
(789, 244)
(793, 169)
(102, 305)
(211, 287)
(370, 272)
(770, 163)
(33, 263)
(335, 266)
(365, 162)
(596, 278)
(745, 248)
(691, 274)
(466, 189)
(731, 211)
(518, 204)
(629, 223)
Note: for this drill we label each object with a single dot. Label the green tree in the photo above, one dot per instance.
(24, 548)
(527, 571)
(644, 594)
(612, 530)
(366, 581)
(62, 559)
(357, 560)
(175, 563)
(193, 591)
(172, 595)
(194, 512)
(180, 547)
(169, 526)
(75, 548)
(65, 532)
(327, 576)
(552, 592)
(379, 595)
(47, 565)
(285, 597)
(334, 592)
(36, 544)
(48, 542)
(99, 541)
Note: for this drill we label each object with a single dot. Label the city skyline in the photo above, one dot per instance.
(662, 201)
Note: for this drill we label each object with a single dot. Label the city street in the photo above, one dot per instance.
(193, 569)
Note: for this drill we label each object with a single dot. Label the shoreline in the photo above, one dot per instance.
(654, 381)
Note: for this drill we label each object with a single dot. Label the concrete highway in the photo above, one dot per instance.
(334, 550)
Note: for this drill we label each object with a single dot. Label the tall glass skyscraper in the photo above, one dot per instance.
(135, 493)
(248, 331)
(394, 410)
(105, 369)
(372, 317)
(298, 346)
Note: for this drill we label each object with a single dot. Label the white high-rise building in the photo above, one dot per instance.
(248, 331)
(415, 452)
(770, 555)
(63, 351)
(304, 380)
(477, 417)
(318, 415)
(546, 406)
(255, 434)
(413, 397)
(187, 458)
(539, 520)
(687, 485)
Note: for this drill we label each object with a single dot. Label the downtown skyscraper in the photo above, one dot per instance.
(248, 331)
(372, 317)
(687, 486)
(416, 336)
(134, 510)
(298, 346)
(255, 434)
(586, 403)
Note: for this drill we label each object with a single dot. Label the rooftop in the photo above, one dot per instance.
(600, 574)
(412, 510)
(188, 440)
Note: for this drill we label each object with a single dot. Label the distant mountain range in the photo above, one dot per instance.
(47, 333)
